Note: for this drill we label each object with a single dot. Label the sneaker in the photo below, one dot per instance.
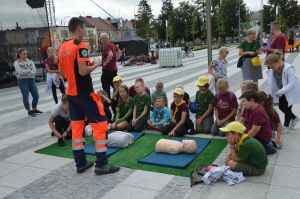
(106, 169)
(37, 111)
(294, 122)
(31, 113)
(87, 165)
(61, 142)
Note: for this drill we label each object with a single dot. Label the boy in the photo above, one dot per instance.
(159, 92)
(257, 120)
(246, 154)
(225, 105)
(204, 99)
(59, 121)
(160, 116)
(141, 110)
(180, 120)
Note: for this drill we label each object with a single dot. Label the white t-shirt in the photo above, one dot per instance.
(57, 111)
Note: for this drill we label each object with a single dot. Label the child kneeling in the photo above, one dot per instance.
(180, 121)
(160, 116)
(246, 155)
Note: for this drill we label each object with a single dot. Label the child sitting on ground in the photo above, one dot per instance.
(117, 81)
(225, 104)
(159, 92)
(106, 103)
(218, 67)
(245, 86)
(141, 110)
(246, 155)
(267, 102)
(160, 116)
(124, 109)
(204, 99)
(180, 117)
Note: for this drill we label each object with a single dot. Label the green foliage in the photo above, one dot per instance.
(166, 11)
(143, 19)
(288, 12)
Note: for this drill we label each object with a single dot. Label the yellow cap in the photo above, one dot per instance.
(117, 78)
(179, 91)
(202, 80)
(236, 127)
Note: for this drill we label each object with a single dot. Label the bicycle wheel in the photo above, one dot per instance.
(191, 54)
(183, 55)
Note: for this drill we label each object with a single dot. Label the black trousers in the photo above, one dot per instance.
(287, 110)
(138, 127)
(61, 125)
(181, 131)
(107, 80)
(61, 88)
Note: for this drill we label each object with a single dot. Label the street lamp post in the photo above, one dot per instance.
(208, 31)
(239, 29)
(134, 18)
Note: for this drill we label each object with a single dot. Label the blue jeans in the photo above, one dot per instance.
(27, 85)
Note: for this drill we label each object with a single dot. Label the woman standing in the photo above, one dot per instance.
(250, 48)
(25, 71)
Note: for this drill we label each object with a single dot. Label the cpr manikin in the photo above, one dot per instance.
(174, 147)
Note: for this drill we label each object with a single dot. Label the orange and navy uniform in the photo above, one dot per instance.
(83, 102)
(70, 53)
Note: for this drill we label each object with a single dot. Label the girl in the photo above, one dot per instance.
(267, 102)
(106, 103)
(180, 118)
(53, 78)
(124, 109)
(218, 67)
(284, 86)
(225, 105)
(25, 71)
(245, 86)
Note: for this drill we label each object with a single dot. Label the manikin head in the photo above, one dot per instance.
(189, 146)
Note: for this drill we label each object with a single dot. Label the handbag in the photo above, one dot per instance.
(256, 61)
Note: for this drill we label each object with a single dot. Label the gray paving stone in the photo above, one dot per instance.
(286, 177)
(147, 180)
(129, 192)
(288, 158)
(278, 192)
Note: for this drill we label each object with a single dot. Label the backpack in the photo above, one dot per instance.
(198, 173)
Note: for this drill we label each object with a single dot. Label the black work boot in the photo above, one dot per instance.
(87, 165)
(106, 169)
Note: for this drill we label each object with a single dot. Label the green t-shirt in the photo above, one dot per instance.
(140, 102)
(254, 46)
(253, 152)
(203, 100)
(125, 111)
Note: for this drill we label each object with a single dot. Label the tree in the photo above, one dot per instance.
(166, 11)
(170, 32)
(229, 19)
(288, 12)
(268, 16)
(143, 19)
(194, 29)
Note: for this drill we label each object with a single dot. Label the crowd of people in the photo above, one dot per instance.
(253, 127)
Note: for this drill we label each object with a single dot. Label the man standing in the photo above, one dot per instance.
(83, 101)
(110, 55)
(278, 41)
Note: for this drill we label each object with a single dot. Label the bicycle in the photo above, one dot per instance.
(187, 54)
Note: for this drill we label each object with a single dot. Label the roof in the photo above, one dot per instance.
(99, 23)
(127, 38)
